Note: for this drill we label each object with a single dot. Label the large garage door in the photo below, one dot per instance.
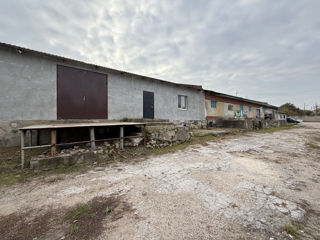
(81, 94)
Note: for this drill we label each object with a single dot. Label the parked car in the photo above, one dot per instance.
(292, 120)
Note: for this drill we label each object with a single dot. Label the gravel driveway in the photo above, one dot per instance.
(246, 187)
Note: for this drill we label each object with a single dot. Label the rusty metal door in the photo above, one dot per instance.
(81, 94)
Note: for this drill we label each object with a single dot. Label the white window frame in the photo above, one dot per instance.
(231, 107)
(185, 98)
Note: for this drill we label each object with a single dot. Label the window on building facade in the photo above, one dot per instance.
(230, 107)
(213, 104)
(250, 108)
(182, 102)
(241, 108)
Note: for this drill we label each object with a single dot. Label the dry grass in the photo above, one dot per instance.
(84, 221)
(10, 172)
(275, 129)
(24, 225)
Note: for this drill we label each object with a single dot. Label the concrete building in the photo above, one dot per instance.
(37, 86)
(41, 86)
(223, 106)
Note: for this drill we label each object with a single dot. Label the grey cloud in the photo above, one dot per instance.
(266, 50)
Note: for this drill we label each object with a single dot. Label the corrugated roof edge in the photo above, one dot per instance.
(49, 55)
(242, 99)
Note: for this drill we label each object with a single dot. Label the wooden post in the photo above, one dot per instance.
(144, 135)
(22, 146)
(37, 137)
(121, 137)
(92, 139)
(30, 137)
(53, 141)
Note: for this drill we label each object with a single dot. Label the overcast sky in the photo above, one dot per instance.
(267, 50)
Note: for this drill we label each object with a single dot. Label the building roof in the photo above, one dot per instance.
(264, 104)
(70, 60)
(97, 67)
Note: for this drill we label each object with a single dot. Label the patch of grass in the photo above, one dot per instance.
(86, 220)
(313, 146)
(79, 211)
(73, 229)
(10, 172)
(174, 148)
(293, 228)
(25, 225)
(274, 129)
(293, 155)
(297, 225)
(290, 230)
(13, 176)
(82, 168)
(108, 210)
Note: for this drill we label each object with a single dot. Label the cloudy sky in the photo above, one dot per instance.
(267, 50)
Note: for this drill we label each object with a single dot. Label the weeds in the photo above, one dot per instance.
(79, 212)
(313, 146)
(73, 228)
(10, 172)
(293, 228)
(290, 230)
(274, 129)
(86, 220)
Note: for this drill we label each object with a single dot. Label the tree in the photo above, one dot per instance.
(291, 110)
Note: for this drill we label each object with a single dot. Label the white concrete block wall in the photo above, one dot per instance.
(27, 87)
(28, 91)
(125, 94)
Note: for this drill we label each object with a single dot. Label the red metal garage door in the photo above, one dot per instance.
(81, 94)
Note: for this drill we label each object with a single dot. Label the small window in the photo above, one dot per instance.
(182, 102)
(241, 108)
(230, 107)
(250, 108)
(213, 104)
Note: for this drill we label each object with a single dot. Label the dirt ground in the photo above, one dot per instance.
(251, 186)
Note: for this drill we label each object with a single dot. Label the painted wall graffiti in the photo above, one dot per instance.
(239, 114)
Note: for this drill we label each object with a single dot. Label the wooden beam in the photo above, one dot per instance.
(22, 146)
(121, 138)
(144, 135)
(92, 139)
(53, 141)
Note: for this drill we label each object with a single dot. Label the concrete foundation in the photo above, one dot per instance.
(247, 124)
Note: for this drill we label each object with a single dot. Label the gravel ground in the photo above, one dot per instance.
(247, 187)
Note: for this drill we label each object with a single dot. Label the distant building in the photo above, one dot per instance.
(224, 106)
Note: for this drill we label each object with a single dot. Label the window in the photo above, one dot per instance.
(241, 108)
(250, 108)
(230, 107)
(213, 104)
(182, 102)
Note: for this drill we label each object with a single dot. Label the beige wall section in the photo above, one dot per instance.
(223, 112)
(214, 111)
